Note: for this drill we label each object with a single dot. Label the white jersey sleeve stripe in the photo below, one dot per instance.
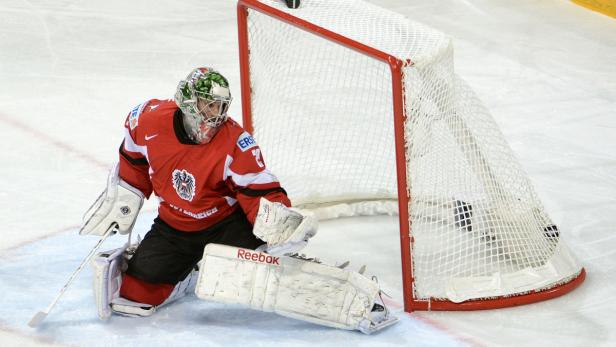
(245, 180)
(131, 146)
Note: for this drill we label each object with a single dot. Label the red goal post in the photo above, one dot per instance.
(491, 242)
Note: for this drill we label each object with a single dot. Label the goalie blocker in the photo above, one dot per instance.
(293, 287)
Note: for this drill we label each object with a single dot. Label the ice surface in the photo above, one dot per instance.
(71, 70)
(190, 321)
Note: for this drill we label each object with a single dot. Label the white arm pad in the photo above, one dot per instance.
(118, 204)
(284, 229)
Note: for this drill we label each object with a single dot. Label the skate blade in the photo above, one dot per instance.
(372, 327)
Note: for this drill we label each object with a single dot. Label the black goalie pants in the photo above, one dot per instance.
(167, 255)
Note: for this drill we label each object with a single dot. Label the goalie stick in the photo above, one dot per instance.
(41, 315)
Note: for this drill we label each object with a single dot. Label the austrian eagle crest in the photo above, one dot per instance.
(184, 184)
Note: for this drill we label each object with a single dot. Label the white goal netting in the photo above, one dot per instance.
(323, 114)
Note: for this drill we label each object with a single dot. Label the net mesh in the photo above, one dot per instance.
(323, 115)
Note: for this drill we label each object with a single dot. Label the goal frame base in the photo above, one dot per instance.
(494, 303)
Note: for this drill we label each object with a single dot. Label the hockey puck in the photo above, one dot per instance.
(292, 3)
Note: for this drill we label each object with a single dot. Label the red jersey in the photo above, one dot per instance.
(197, 185)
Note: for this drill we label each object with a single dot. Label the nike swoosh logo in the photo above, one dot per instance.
(153, 107)
(148, 138)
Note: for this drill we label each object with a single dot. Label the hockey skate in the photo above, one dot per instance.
(379, 319)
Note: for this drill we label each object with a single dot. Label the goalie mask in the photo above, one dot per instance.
(204, 98)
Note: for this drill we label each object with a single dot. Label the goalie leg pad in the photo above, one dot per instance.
(289, 286)
(108, 268)
(107, 273)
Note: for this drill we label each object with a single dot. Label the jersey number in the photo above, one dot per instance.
(257, 153)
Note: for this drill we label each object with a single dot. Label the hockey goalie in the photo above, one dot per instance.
(224, 227)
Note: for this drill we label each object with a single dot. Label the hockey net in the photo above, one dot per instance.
(359, 111)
